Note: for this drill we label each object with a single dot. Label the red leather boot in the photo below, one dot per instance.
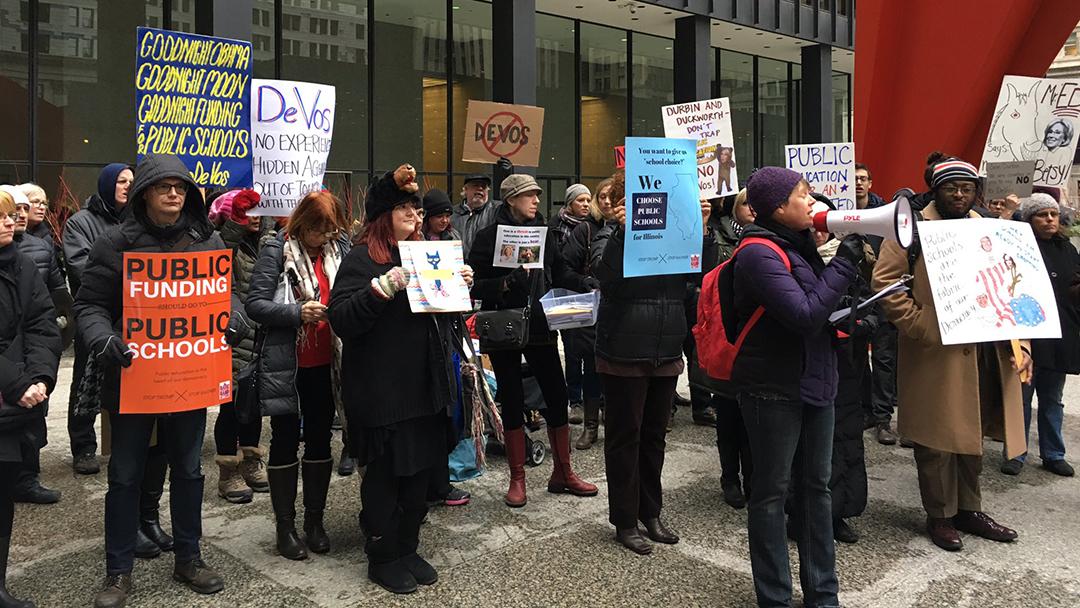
(514, 440)
(563, 479)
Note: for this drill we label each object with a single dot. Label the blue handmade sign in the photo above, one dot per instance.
(663, 213)
(192, 99)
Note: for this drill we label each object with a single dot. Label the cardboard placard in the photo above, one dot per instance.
(192, 99)
(708, 122)
(828, 168)
(176, 312)
(1009, 177)
(497, 130)
(435, 281)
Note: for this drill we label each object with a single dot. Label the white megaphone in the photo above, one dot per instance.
(893, 221)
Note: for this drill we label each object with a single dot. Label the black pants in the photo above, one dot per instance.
(229, 433)
(732, 443)
(883, 375)
(635, 429)
(81, 432)
(30, 468)
(153, 481)
(394, 508)
(317, 409)
(8, 473)
(546, 368)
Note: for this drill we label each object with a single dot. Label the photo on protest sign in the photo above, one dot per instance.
(708, 122)
(435, 281)
(1008, 177)
(988, 280)
(176, 313)
(1036, 119)
(663, 208)
(501, 130)
(520, 246)
(828, 168)
(292, 124)
(192, 100)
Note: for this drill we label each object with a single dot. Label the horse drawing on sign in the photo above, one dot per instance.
(1014, 129)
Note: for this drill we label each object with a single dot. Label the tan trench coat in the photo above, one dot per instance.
(938, 398)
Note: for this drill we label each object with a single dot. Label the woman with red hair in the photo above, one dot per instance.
(299, 362)
(399, 384)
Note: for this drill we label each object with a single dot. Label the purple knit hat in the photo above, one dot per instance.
(769, 188)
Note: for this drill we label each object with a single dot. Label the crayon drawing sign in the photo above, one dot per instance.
(828, 168)
(709, 123)
(192, 99)
(292, 124)
(176, 313)
(435, 281)
(988, 280)
(1036, 119)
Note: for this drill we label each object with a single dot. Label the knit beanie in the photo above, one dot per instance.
(1035, 203)
(16, 195)
(436, 202)
(953, 169)
(574, 191)
(769, 189)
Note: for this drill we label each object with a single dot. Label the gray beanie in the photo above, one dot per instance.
(1035, 203)
(576, 190)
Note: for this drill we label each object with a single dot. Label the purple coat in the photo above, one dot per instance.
(789, 354)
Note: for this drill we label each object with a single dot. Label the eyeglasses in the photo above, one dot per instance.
(951, 190)
(11, 216)
(180, 188)
(40, 203)
(329, 235)
(862, 178)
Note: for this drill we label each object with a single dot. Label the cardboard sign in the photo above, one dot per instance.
(520, 246)
(1036, 119)
(496, 130)
(708, 122)
(828, 168)
(192, 99)
(1005, 178)
(620, 157)
(292, 124)
(435, 281)
(663, 209)
(176, 312)
(988, 280)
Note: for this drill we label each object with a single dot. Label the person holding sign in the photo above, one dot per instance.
(399, 385)
(29, 358)
(949, 397)
(300, 362)
(167, 215)
(506, 287)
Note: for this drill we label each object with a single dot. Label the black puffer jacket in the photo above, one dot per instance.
(1062, 264)
(848, 482)
(641, 319)
(29, 338)
(575, 248)
(80, 232)
(277, 362)
(245, 246)
(99, 303)
(490, 280)
(43, 254)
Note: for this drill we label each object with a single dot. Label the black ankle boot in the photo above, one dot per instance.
(6, 600)
(283, 499)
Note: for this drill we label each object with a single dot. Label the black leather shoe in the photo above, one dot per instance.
(843, 532)
(392, 576)
(632, 539)
(422, 571)
(658, 532)
(733, 496)
(114, 591)
(86, 464)
(705, 417)
(198, 577)
(1058, 467)
(346, 466)
(37, 494)
(1012, 467)
(152, 530)
(144, 547)
(982, 525)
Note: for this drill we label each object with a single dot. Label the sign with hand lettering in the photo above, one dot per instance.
(502, 130)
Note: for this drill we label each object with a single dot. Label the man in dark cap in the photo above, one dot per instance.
(476, 211)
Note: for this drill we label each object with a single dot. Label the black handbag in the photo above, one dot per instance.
(506, 329)
(246, 397)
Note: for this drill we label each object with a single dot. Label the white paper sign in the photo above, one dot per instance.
(520, 246)
(828, 168)
(435, 281)
(709, 122)
(988, 280)
(1036, 119)
(1005, 178)
(292, 124)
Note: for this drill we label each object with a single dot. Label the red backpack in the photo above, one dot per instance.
(715, 351)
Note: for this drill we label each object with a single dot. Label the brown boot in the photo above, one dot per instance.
(563, 479)
(592, 425)
(253, 469)
(515, 456)
(231, 485)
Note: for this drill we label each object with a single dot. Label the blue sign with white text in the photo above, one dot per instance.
(663, 214)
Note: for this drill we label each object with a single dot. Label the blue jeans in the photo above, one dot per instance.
(790, 440)
(183, 439)
(1049, 386)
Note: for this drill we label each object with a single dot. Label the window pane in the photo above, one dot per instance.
(15, 78)
(262, 38)
(555, 93)
(472, 74)
(737, 83)
(773, 108)
(654, 83)
(841, 107)
(339, 60)
(603, 98)
(797, 101)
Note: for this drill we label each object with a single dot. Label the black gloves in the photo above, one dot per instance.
(112, 352)
(518, 280)
(851, 249)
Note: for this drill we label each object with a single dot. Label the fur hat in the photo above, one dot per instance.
(392, 189)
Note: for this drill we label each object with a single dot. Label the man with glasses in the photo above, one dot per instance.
(950, 397)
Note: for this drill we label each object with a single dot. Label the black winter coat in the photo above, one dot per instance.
(245, 246)
(396, 364)
(491, 281)
(575, 249)
(1062, 264)
(80, 232)
(848, 482)
(43, 254)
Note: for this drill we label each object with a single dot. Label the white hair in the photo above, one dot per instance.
(30, 189)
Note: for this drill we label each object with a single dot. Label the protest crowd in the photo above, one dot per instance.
(323, 332)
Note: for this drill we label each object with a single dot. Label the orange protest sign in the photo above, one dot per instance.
(176, 313)
(496, 130)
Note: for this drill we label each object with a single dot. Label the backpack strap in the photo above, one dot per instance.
(777, 249)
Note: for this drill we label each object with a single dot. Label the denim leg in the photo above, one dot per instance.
(1050, 386)
(817, 551)
(773, 428)
(130, 442)
(185, 433)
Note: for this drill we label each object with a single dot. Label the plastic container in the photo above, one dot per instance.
(566, 309)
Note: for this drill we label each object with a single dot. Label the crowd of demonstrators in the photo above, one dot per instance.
(575, 210)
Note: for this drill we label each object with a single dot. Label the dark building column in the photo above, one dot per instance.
(693, 75)
(513, 37)
(817, 113)
(224, 18)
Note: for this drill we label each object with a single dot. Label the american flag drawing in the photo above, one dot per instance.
(993, 279)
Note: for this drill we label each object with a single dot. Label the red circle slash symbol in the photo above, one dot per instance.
(503, 135)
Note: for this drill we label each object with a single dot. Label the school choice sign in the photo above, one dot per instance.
(292, 124)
